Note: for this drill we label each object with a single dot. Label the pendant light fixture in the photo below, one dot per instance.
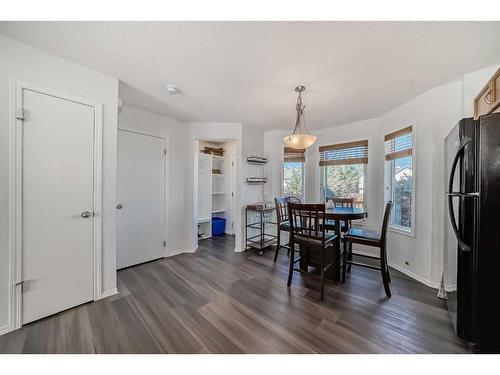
(300, 138)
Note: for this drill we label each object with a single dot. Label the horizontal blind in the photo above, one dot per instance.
(399, 144)
(344, 153)
(293, 155)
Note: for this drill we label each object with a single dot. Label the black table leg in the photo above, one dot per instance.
(337, 251)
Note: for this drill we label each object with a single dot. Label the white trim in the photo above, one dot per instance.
(414, 276)
(16, 88)
(166, 180)
(4, 330)
(109, 293)
(97, 201)
(180, 251)
(141, 132)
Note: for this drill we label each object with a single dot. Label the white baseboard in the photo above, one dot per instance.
(407, 272)
(109, 293)
(414, 276)
(171, 253)
(4, 330)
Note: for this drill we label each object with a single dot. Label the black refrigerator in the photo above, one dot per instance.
(472, 231)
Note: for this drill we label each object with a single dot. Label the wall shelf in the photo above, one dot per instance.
(218, 211)
(256, 180)
(256, 160)
(218, 192)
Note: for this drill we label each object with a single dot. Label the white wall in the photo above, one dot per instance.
(178, 224)
(432, 115)
(22, 62)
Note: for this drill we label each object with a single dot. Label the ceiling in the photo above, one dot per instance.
(247, 71)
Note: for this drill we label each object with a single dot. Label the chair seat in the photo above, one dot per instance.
(309, 238)
(285, 225)
(362, 234)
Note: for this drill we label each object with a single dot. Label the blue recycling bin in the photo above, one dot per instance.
(218, 226)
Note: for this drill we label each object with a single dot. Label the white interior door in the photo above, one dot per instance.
(141, 196)
(57, 187)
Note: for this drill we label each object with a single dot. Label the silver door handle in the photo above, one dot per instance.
(85, 214)
(119, 206)
(21, 284)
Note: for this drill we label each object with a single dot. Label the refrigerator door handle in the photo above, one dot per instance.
(463, 195)
(451, 194)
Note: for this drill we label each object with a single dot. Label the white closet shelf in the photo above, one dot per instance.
(207, 220)
(217, 174)
(217, 211)
(216, 157)
(218, 192)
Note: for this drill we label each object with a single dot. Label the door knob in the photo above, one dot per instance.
(85, 214)
(119, 206)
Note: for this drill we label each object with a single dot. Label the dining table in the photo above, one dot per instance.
(340, 214)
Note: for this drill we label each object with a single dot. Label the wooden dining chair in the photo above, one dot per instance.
(316, 247)
(340, 202)
(369, 238)
(282, 222)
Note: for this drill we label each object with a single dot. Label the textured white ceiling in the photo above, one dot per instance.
(246, 71)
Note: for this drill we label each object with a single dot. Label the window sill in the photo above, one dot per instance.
(404, 232)
(361, 223)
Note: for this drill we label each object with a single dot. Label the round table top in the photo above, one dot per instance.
(345, 213)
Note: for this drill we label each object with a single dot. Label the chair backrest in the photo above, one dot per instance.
(281, 204)
(385, 221)
(306, 219)
(341, 202)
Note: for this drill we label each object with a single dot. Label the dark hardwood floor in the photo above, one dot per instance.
(216, 301)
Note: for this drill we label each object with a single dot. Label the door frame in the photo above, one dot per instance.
(16, 88)
(166, 194)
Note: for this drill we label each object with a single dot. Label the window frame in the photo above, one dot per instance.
(283, 180)
(388, 190)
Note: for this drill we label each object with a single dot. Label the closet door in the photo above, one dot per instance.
(141, 198)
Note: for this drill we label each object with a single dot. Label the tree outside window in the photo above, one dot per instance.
(345, 181)
(402, 186)
(293, 178)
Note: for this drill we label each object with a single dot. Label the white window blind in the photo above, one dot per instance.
(344, 153)
(398, 144)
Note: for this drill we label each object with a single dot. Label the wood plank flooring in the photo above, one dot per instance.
(218, 301)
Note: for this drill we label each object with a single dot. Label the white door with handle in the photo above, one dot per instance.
(57, 204)
(141, 198)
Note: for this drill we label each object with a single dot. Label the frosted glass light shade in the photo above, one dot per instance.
(300, 140)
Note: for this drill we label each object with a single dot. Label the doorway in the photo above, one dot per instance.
(215, 188)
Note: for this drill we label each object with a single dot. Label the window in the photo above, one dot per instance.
(399, 178)
(293, 172)
(343, 171)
